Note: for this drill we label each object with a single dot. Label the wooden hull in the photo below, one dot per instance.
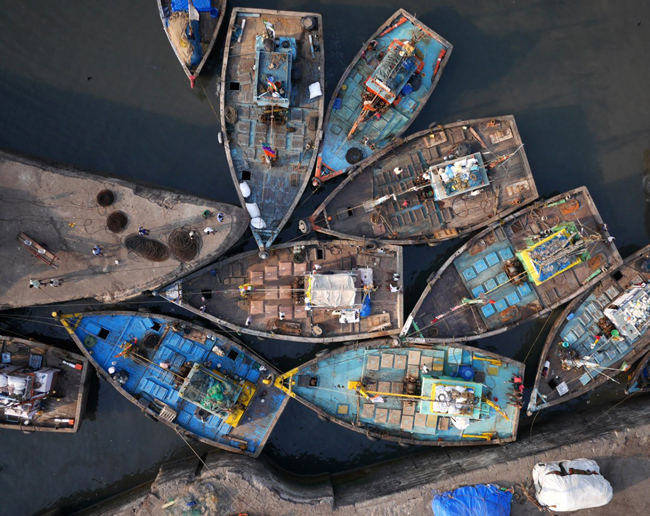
(248, 294)
(484, 288)
(579, 331)
(152, 388)
(414, 215)
(289, 128)
(69, 400)
(209, 31)
(346, 104)
(383, 367)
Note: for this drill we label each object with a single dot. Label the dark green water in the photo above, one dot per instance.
(97, 86)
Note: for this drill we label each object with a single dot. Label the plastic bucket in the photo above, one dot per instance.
(214, 13)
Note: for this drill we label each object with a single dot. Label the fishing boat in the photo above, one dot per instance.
(192, 26)
(437, 184)
(68, 234)
(309, 291)
(515, 270)
(599, 334)
(199, 383)
(42, 388)
(379, 95)
(433, 394)
(272, 110)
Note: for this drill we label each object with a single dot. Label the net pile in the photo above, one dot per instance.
(183, 246)
(117, 221)
(151, 250)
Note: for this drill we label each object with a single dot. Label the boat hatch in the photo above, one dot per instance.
(273, 60)
(394, 71)
(210, 390)
(307, 381)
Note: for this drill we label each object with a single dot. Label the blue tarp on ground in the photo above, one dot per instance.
(200, 5)
(480, 500)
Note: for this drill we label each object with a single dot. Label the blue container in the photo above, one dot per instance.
(214, 13)
(466, 373)
(337, 103)
(406, 90)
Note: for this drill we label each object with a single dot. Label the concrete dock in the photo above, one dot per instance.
(617, 438)
(54, 215)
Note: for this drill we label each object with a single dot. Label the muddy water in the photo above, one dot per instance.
(97, 86)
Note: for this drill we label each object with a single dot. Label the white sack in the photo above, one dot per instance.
(245, 189)
(258, 223)
(314, 90)
(253, 209)
(571, 492)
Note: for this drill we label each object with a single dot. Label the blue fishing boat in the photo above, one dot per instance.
(598, 335)
(381, 92)
(435, 395)
(191, 26)
(198, 382)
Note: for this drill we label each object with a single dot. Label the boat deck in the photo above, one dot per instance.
(165, 340)
(347, 102)
(391, 200)
(592, 354)
(278, 286)
(56, 208)
(488, 272)
(68, 401)
(294, 133)
(323, 384)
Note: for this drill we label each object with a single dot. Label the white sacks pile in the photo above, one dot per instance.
(571, 485)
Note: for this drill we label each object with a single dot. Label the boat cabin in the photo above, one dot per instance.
(273, 60)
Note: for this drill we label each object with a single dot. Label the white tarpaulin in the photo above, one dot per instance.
(571, 485)
(331, 290)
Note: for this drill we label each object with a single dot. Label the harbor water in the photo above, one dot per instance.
(96, 85)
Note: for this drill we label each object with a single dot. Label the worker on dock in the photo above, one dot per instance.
(97, 250)
(143, 231)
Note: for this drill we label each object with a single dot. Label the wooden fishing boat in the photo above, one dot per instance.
(435, 185)
(379, 95)
(42, 388)
(307, 291)
(433, 394)
(196, 381)
(51, 245)
(516, 270)
(272, 110)
(192, 27)
(600, 333)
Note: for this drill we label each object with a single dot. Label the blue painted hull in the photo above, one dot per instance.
(346, 105)
(105, 340)
(388, 409)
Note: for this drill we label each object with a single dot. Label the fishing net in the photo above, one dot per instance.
(117, 221)
(176, 28)
(105, 198)
(185, 243)
(151, 250)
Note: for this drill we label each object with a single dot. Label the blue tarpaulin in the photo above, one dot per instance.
(366, 309)
(200, 5)
(479, 500)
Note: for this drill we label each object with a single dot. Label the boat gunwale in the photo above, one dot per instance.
(406, 343)
(82, 393)
(192, 76)
(177, 428)
(399, 142)
(319, 129)
(443, 63)
(549, 308)
(559, 323)
(399, 311)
